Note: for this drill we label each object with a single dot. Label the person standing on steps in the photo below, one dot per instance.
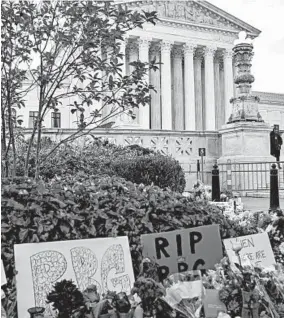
(275, 144)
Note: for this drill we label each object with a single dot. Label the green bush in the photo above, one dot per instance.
(134, 163)
(160, 170)
(82, 206)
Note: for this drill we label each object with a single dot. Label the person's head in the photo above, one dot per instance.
(276, 128)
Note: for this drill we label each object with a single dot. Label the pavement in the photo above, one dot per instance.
(259, 204)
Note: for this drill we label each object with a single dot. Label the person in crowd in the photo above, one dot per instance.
(275, 144)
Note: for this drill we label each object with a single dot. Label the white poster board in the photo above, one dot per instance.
(105, 262)
(256, 250)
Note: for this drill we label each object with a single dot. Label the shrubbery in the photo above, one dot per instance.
(80, 207)
(134, 163)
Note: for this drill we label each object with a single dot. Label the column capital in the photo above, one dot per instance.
(189, 48)
(155, 48)
(199, 54)
(177, 52)
(209, 51)
(228, 54)
(132, 46)
(144, 43)
(166, 46)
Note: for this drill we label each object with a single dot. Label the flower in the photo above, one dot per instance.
(237, 246)
(281, 248)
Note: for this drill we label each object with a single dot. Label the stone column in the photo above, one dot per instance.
(123, 117)
(166, 85)
(178, 109)
(189, 87)
(198, 90)
(234, 75)
(218, 122)
(123, 45)
(106, 108)
(222, 92)
(144, 111)
(155, 80)
(209, 88)
(133, 57)
(229, 82)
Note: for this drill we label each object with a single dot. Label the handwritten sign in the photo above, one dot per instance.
(256, 250)
(183, 250)
(212, 304)
(104, 262)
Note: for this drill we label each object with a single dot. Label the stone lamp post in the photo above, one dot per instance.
(245, 105)
(245, 137)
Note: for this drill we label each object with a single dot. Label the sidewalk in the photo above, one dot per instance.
(258, 204)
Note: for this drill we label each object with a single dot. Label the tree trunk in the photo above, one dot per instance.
(38, 141)
(12, 137)
(26, 170)
(5, 164)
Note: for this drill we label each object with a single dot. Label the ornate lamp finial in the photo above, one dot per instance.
(243, 39)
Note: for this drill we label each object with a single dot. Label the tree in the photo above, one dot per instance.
(15, 51)
(72, 49)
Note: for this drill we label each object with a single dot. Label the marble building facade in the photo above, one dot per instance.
(193, 40)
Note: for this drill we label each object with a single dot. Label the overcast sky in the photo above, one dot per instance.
(268, 61)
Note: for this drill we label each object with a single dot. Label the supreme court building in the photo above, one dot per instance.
(193, 40)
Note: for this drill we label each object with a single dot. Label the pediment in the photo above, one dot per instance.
(195, 13)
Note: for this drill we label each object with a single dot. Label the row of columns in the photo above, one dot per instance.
(182, 106)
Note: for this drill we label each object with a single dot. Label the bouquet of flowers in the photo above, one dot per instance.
(184, 293)
(201, 192)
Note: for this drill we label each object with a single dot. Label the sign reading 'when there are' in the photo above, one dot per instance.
(182, 250)
(256, 250)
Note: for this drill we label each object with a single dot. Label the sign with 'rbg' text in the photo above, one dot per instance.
(104, 262)
(182, 250)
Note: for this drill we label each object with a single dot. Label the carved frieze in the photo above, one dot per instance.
(189, 11)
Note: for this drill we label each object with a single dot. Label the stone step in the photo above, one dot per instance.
(259, 194)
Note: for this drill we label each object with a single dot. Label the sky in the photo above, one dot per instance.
(268, 60)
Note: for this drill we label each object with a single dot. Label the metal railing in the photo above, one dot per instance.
(248, 176)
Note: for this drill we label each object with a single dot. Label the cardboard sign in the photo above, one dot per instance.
(212, 304)
(183, 250)
(104, 262)
(256, 250)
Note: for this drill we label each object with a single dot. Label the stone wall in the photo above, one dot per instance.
(183, 146)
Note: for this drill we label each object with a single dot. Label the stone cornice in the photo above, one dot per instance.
(270, 98)
(225, 23)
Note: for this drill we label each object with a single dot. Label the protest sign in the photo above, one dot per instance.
(256, 250)
(213, 304)
(104, 262)
(183, 250)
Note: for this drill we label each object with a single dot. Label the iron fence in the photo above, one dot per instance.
(248, 176)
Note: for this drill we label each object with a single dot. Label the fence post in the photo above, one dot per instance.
(215, 184)
(274, 190)
(229, 175)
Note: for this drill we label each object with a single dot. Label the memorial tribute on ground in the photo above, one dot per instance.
(256, 249)
(104, 262)
(182, 250)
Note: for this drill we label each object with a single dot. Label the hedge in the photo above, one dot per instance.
(134, 163)
(81, 207)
